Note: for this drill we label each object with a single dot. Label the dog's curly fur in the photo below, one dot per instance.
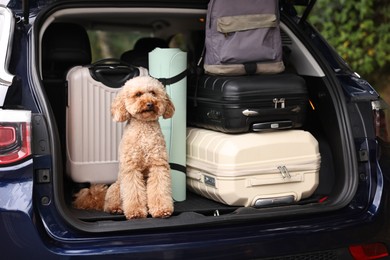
(144, 183)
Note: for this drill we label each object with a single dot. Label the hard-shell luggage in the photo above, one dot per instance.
(243, 37)
(252, 169)
(247, 103)
(92, 137)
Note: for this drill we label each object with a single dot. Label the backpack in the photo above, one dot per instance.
(243, 37)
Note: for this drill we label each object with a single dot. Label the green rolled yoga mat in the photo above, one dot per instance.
(167, 63)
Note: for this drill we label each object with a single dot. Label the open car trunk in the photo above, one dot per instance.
(327, 120)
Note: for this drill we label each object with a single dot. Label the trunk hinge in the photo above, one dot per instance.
(26, 10)
(309, 7)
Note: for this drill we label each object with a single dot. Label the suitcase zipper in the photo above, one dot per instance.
(304, 164)
(265, 102)
(284, 172)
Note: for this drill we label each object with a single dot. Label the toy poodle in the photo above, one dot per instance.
(144, 184)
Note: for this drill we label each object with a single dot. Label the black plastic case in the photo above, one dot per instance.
(247, 103)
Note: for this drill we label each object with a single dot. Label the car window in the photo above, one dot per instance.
(111, 44)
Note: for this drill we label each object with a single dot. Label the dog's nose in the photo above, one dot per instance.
(150, 105)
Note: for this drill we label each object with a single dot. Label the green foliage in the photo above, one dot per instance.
(358, 29)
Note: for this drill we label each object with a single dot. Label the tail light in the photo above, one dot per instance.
(368, 251)
(15, 136)
(381, 120)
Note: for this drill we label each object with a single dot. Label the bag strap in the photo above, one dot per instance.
(178, 167)
(199, 71)
(174, 79)
(250, 68)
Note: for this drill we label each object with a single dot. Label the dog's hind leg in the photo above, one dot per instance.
(90, 198)
(113, 202)
(160, 200)
(133, 194)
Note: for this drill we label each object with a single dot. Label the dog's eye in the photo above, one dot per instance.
(153, 93)
(138, 94)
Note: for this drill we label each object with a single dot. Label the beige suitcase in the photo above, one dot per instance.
(252, 169)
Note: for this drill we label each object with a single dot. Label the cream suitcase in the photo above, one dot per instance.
(252, 169)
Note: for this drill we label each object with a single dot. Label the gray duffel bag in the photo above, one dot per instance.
(243, 37)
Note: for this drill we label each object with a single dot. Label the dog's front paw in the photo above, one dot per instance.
(136, 213)
(163, 212)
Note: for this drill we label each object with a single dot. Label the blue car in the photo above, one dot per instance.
(347, 216)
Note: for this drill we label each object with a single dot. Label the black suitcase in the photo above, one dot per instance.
(247, 103)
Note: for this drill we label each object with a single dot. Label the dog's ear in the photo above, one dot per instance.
(169, 109)
(118, 108)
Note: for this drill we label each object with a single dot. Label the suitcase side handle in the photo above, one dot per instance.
(255, 182)
(258, 127)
